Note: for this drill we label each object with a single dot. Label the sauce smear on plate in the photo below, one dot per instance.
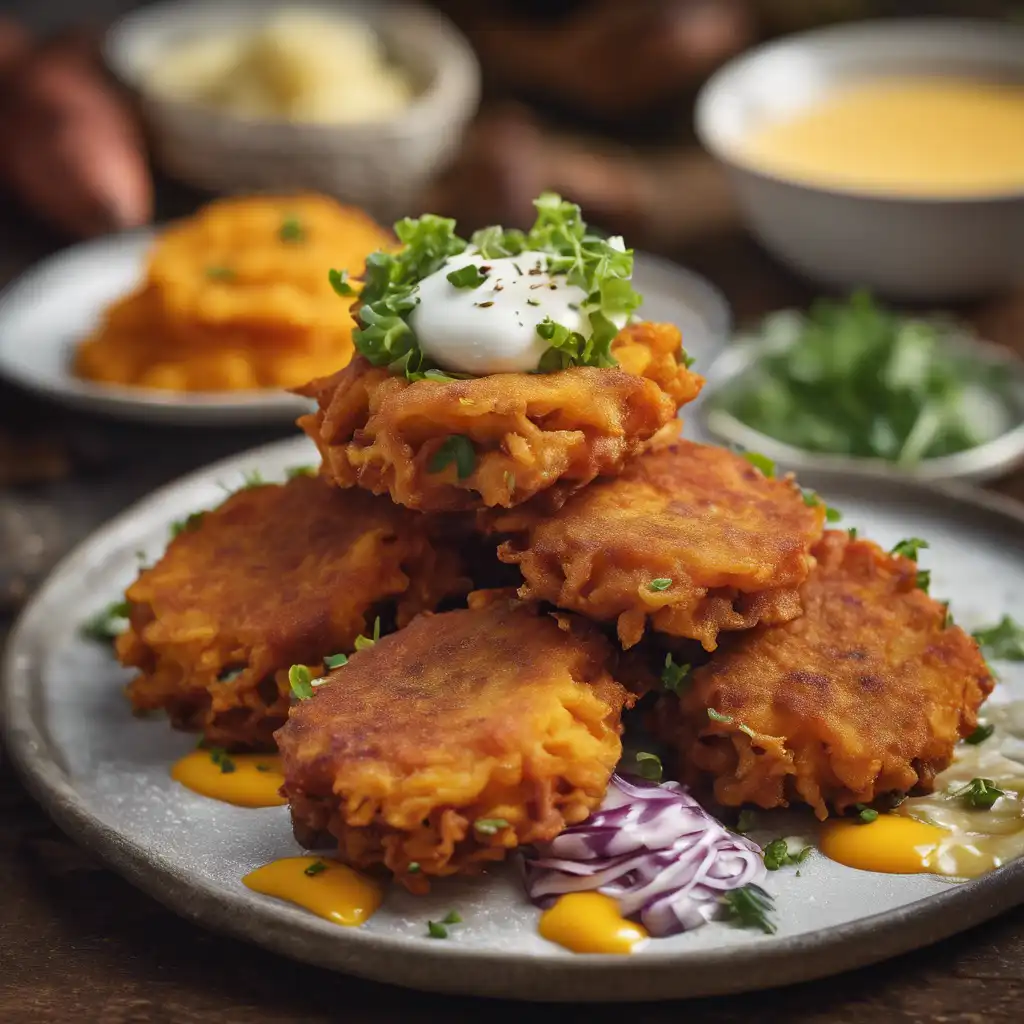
(245, 780)
(590, 922)
(329, 889)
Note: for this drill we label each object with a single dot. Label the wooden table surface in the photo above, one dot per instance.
(77, 942)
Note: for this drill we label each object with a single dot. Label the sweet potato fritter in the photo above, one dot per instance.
(691, 538)
(456, 739)
(522, 433)
(276, 575)
(863, 696)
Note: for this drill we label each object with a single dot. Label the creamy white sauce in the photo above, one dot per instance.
(492, 328)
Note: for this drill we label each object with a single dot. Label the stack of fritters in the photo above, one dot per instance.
(278, 574)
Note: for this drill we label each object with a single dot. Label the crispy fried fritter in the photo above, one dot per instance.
(524, 433)
(276, 575)
(693, 539)
(863, 696)
(456, 739)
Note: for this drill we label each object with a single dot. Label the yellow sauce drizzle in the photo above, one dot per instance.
(333, 891)
(252, 780)
(892, 844)
(590, 922)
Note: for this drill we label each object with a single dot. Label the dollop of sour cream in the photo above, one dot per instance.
(492, 328)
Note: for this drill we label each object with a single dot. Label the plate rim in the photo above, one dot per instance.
(559, 977)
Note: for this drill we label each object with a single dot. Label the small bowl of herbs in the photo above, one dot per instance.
(854, 386)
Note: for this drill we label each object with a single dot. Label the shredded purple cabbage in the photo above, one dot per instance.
(655, 850)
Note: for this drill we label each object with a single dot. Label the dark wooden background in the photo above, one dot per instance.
(77, 943)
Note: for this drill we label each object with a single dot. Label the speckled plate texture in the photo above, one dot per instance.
(103, 775)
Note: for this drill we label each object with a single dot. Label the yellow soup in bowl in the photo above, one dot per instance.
(913, 136)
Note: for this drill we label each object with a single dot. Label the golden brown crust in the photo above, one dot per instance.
(276, 575)
(531, 433)
(492, 712)
(733, 544)
(865, 695)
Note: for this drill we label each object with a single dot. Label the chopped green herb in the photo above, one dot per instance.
(910, 547)
(852, 533)
(924, 579)
(252, 478)
(456, 449)
(468, 276)
(717, 716)
(533, 302)
(335, 660)
(301, 681)
(947, 618)
(108, 624)
(761, 462)
(661, 583)
(865, 815)
(293, 471)
(488, 827)
(812, 499)
(291, 230)
(339, 282)
(832, 515)
(649, 766)
(982, 733)
(750, 907)
(220, 273)
(746, 821)
(219, 756)
(436, 930)
(1004, 641)
(777, 855)
(510, 481)
(979, 794)
(452, 917)
(316, 868)
(263, 768)
(673, 676)
(190, 522)
(362, 642)
(414, 867)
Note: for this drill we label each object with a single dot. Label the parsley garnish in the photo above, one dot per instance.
(750, 907)
(335, 660)
(673, 676)
(439, 929)
(661, 583)
(190, 522)
(980, 734)
(220, 273)
(1004, 641)
(263, 768)
(979, 794)
(746, 820)
(457, 449)
(362, 642)
(717, 716)
(219, 756)
(452, 917)
(601, 267)
(468, 276)
(108, 624)
(490, 826)
(852, 533)
(318, 867)
(414, 867)
(649, 766)
(292, 230)
(923, 579)
(339, 282)
(777, 855)
(865, 815)
(252, 478)
(761, 462)
(301, 681)
(910, 547)
(812, 499)
(293, 471)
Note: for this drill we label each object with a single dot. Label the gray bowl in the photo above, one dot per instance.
(906, 247)
(985, 462)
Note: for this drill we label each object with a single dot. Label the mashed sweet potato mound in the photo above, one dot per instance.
(863, 696)
(456, 739)
(691, 539)
(525, 433)
(236, 298)
(276, 575)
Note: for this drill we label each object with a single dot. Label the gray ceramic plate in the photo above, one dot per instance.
(103, 775)
(49, 309)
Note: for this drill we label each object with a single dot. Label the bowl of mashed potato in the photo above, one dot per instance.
(886, 154)
(361, 101)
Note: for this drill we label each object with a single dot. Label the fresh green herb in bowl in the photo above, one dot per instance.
(852, 381)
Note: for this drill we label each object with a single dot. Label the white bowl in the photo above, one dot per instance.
(380, 166)
(906, 247)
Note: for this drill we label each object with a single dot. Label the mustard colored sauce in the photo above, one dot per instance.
(252, 780)
(590, 922)
(917, 136)
(892, 844)
(334, 891)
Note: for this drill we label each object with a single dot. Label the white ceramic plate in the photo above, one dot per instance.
(103, 775)
(49, 309)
